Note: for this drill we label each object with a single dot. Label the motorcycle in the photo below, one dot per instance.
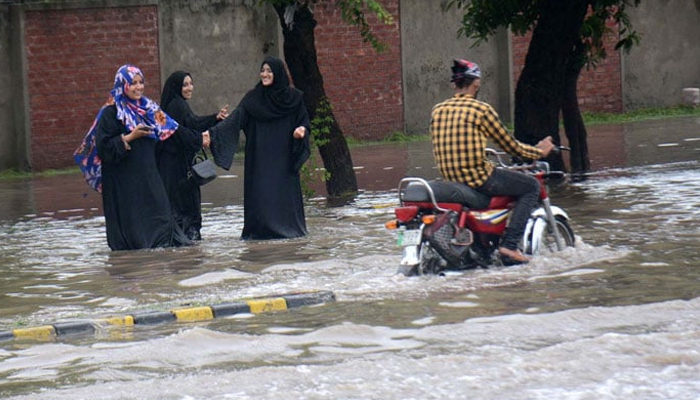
(447, 226)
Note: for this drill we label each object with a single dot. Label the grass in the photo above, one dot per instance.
(395, 137)
(640, 115)
(589, 119)
(16, 174)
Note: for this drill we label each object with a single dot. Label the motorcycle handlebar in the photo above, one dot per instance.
(535, 164)
(559, 149)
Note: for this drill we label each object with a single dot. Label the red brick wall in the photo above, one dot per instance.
(72, 57)
(365, 87)
(599, 89)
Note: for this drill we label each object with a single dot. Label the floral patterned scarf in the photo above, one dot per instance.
(131, 113)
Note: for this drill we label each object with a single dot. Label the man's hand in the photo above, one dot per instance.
(545, 145)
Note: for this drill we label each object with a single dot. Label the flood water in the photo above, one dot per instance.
(616, 317)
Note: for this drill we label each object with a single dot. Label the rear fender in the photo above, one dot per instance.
(410, 261)
(411, 256)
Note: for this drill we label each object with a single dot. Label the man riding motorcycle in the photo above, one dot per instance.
(459, 128)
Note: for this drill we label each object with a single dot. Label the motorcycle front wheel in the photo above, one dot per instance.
(542, 237)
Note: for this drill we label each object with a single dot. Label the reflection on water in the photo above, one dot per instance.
(614, 318)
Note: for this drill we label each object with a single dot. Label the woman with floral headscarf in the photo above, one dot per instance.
(136, 207)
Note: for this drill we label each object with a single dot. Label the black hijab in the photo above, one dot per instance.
(274, 101)
(173, 88)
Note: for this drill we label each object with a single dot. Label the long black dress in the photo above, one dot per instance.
(174, 158)
(273, 201)
(136, 207)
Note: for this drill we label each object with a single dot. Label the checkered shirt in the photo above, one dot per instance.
(459, 128)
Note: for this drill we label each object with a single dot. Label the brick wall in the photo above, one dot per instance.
(364, 86)
(599, 89)
(72, 57)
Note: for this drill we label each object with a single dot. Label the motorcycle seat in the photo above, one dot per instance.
(446, 192)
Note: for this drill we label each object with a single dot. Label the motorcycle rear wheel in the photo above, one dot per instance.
(430, 261)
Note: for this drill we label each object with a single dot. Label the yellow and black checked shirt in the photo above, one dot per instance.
(460, 127)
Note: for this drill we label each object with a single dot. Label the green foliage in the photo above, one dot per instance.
(482, 18)
(321, 126)
(322, 123)
(597, 25)
(354, 12)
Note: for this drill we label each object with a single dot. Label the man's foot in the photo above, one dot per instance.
(512, 257)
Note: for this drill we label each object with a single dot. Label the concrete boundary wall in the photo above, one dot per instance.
(429, 43)
(668, 57)
(221, 43)
(14, 152)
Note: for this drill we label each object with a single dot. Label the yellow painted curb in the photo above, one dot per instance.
(193, 314)
(38, 332)
(119, 321)
(266, 305)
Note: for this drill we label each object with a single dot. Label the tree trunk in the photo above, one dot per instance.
(540, 89)
(573, 122)
(300, 55)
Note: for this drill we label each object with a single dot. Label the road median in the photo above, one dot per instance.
(176, 315)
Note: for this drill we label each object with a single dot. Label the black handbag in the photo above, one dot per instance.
(202, 170)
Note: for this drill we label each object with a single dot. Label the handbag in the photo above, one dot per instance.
(202, 170)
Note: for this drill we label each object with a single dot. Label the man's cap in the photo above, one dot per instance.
(463, 69)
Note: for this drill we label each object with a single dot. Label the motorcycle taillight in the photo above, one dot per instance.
(407, 213)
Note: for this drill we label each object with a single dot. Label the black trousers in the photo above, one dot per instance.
(525, 189)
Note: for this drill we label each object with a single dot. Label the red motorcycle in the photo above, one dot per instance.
(447, 226)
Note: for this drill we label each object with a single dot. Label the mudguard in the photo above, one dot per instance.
(410, 261)
(536, 226)
(410, 256)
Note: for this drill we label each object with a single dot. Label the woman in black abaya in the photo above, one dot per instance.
(118, 159)
(175, 155)
(276, 125)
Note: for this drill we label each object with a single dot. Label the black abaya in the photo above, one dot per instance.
(174, 158)
(273, 200)
(136, 207)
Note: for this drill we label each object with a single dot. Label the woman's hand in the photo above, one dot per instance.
(300, 132)
(223, 113)
(206, 139)
(140, 131)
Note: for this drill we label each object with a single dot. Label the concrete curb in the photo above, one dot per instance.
(186, 314)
